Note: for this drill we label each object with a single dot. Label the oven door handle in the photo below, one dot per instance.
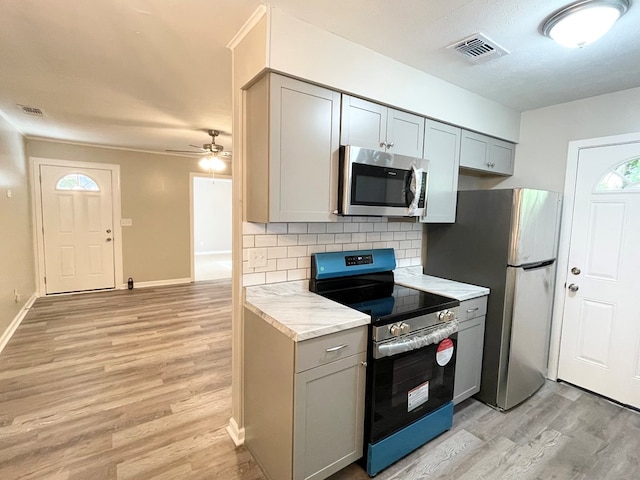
(415, 342)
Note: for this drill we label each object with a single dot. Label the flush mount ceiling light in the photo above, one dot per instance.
(584, 22)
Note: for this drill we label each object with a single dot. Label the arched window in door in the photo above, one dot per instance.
(77, 181)
(622, 177)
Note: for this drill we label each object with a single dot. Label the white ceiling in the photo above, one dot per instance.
(155, 74)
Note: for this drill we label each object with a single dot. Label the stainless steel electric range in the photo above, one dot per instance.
(411, 351)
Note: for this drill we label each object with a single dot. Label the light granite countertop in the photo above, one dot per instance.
(300, 314)
(413, 277)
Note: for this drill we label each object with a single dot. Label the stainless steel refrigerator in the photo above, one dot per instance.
(506, 240)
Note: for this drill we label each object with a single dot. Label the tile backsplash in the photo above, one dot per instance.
(286, 248)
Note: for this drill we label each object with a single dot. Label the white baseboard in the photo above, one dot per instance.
(236, 433)
(15, 323)
(158, 283)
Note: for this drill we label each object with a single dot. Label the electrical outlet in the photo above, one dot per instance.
(257, 257)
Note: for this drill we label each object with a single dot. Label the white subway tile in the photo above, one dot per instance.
(412, 235)
(386, 236)
(287, 240)
(334, 247)
(400, 253)
(351, 227)
(416, 261)
(359, 219)
(317, 228)
(404, 262)
(249, 228)
(359, 237)
(326, 238)
(271, 266)
(276, 228)
(307, 239)
(349, 246)
(275, 277)
(253, 279)
(395, 245)
(393, 227)
(373, 237)
(247, 241)
(399, 235)
(366, 227)
(245, 254)
(298, 228)
(298, 274)
(416, 243)
(335, 228)
(298, 251)
(277, 252)
(405, 227)
(311, 249)
(343, 219)
(418, 227)
(412, 252)
(375, 219)
(246, 268)
(405, 244)
(380, 227)
(266, 240)
(287, 263)
(343, 238)
(364, 246)
(304, 262)
(379, 245)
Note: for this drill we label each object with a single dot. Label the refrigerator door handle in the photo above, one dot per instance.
(535, 265)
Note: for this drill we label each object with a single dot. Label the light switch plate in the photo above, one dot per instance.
(126, 222)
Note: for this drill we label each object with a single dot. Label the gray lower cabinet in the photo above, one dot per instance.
(470, 348)
(303, 401)
(442, 149)
(486, 154)
(292, 135)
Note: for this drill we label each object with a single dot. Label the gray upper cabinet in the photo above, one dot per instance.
(442, 149)
(486, 154)
(370, 125)
(292, 141)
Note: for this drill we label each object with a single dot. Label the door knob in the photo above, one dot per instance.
(108, 239)
(573, 287)
(576, 271)
(108, 230)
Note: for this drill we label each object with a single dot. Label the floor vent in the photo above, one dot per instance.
(478, 49)
(35, 111)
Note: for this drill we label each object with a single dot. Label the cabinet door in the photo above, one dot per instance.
(328, 417)
(364, 123)
(474, 151)
(405, 133)
(442, 149)
(501, 156)
(469, 359)
(305, 128)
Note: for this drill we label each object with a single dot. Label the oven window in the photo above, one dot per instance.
(406, 387)
(378, 186)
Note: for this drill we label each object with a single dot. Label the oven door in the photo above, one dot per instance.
(405, 387)
(380, 183)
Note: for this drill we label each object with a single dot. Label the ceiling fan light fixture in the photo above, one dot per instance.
(211, 163)
(583, 22)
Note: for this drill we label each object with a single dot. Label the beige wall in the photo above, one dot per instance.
(16, 240)
(541, 155)
(155, 195)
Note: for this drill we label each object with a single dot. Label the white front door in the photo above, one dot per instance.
(77, 221)
(600, 344)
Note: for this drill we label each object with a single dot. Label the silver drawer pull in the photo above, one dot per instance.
(335, 349)
(471, 310)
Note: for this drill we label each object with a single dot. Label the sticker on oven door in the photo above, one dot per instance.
(444, 352)
(418, 396)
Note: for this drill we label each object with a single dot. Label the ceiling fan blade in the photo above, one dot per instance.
(184, 151)
(197, 146)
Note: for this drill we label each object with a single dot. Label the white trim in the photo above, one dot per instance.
(251, 22)
(159, 283)
(236, 433)
(212, 252)
(36, 196)
(565, 237)
(15, 323)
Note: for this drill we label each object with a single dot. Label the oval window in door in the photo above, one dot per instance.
(77, 181)
(624, 176)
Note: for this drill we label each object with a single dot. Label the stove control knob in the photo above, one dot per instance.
(395, 330)
(404, 328)
(446, 316)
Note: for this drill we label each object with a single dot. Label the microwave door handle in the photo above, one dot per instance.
(408, 194)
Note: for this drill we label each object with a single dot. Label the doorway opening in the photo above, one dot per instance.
(211, 228)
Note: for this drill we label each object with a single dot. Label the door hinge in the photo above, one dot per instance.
(45, 280)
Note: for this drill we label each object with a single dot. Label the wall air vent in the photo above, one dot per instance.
(478, 49)
(35, 111)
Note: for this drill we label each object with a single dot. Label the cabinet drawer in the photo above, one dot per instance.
(476, 307)
(329, 348)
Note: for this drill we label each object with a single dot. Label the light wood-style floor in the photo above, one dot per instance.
(136, 385)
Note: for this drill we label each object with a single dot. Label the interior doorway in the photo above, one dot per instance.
(211, 227)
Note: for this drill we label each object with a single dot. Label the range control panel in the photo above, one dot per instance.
(353, 260)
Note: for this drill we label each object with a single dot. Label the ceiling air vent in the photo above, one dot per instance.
(35, 111)
(478, 49)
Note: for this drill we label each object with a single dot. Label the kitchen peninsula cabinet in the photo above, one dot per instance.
(370, 125)
(292, 133)
(486, 154)
(442, 149)
(303, 401)
(470, 348)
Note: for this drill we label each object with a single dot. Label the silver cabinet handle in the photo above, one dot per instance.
(383, 145)
(335, 349)
(389, 145)
(471, 310)
(573, 287)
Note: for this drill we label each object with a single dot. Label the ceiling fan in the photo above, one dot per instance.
(207, 148)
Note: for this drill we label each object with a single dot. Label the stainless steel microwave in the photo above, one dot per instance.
(372, 182)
